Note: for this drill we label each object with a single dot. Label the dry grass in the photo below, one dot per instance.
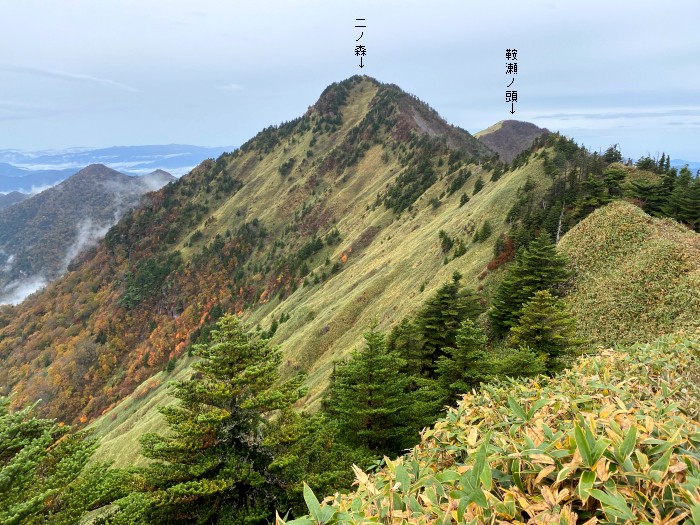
(636, 276)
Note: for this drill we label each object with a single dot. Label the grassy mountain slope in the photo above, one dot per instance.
(330, 194)
(613, 438)
(636, 276)
(381, 281)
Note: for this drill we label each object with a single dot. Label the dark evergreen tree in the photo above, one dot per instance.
(613, 177)
(546, 327)
(440, 319)
(668, 182)
(368, 399)
(690, 206)
(612, 154)
(538, 267)
(683, 203)
(311, 449)
(650, 194)
(517, 362)
(406, 338)
(465, 365)
(44, 472)
(484, 232)
(478, 185)
(213, 464)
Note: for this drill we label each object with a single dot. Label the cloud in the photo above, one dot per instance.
(17, 291)
(609, 115)
(88, 234)
(231, 87)
(10, 110)
(64, 75)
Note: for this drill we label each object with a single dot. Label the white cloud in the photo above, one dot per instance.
(231, 87)
(17, 291)
(64, 75)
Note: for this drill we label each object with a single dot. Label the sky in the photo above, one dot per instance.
(81, 73)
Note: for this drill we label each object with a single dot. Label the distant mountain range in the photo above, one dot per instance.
(679, 163)
(30, 172)
(40, 235)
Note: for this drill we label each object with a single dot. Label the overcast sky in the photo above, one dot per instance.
(215, 72)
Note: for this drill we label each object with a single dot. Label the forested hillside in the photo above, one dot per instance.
(40, 235)
(316, 298)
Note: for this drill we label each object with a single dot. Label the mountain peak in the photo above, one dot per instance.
(96, 173)
(364, 109)
(510, 137)
(403, 112)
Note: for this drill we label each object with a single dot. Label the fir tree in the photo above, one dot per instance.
(538, 267)
(44, 477)
(368, 398)
(546, 327)
(465, 365)
(689, 206)
(440, 319)
(517, 362)
(406, 338)
(310, 449)
(683, 203)
(213, 465)
(650, 194)
(613, 177)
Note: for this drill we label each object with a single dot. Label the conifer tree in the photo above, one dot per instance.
(538, 267)
(689, 205)
(44, 477)
(680, 187)
(517, 362)
(546, 327)
(613, 178)
(440, 319)
(650, 193)
(213, 465)
(310, 449)
(368, 398)
(465, 365)
(683, 203)
(406, 338)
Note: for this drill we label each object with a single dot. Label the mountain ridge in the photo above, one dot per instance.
(194, 247)
(40, 235)
(311, 231)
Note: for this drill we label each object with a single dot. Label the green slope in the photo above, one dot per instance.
(393, 264)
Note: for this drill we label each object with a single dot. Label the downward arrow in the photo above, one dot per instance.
(511, 108)
(361, 62)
